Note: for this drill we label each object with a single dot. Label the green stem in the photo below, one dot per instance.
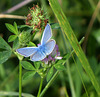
(49, 83)
(41, 83)
(63, 84)
(20, 79)
(70, 80)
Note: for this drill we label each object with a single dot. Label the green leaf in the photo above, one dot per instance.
(66, 28)
(37, 64)
(16, 44)
(12, 38)
(27, 65)
(23, 26)
(59, 67)
(28, 75)
(4, 44)
(4, 56)
(55, 26)
(5, 51)
(50, 73)
(11, 28)
(31, 44)
(15, 25)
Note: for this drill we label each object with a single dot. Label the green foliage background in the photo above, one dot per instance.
(79, 14)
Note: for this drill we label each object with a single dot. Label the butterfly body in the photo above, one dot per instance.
(40, 52)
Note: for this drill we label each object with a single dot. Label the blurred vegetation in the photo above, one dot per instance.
(79, 14)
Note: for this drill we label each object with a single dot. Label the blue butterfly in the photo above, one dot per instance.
(40, 52)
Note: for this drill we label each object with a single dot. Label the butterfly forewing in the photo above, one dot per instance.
(46, 34)
(27, 51)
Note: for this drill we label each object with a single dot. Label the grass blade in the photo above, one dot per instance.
(66, 28)
(4, 93)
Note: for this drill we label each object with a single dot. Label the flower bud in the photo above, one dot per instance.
(36, 19)
(24, 38)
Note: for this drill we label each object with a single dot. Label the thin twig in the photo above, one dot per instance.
(90, 25)
(11, 16)
(23, 3)
(93, 7)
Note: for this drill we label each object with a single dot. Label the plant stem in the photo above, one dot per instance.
(92, 3)
(70, 80)
(20, 79)
(49, 83)
(93, 18)
(41, 83)
(63, 84)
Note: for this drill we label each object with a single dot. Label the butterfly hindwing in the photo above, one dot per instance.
(49, 46)
(27, 51)
(37, 56)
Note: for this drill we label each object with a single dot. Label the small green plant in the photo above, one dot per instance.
(46, 68)
(35, 59)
